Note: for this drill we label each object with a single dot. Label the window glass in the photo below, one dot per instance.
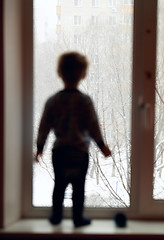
(158, 192)
(108, 83)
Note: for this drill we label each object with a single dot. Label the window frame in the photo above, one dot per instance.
(144, 61)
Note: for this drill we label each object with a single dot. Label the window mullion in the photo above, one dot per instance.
(144, 98)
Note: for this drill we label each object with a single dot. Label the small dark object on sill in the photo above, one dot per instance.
(120, 219)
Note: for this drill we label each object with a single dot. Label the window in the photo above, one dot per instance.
(112, 3)
(125, 38)
(95, 59)
(94, 39)
(95, 3)
(94, 20)
(58, 2)
(77, 3)
(127, 18)
(112, 20)
(77, 39)
(128, 2)
(100, 192)
(105, 193)
(140, 150)
(58, 19)
(77, 20)
(158, 188)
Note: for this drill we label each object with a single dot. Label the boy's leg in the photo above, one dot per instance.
(78, 205)
(57, 199)
(78, 184)
(59, 188)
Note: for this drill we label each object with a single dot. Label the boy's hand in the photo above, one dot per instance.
(38, 154)
(106, 151)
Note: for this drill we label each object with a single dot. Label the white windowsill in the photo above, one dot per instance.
(104, 228)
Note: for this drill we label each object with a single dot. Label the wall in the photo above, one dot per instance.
(12, 110)
(1, 112)
(15, 75)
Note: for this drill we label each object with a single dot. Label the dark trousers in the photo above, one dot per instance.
(70, 166)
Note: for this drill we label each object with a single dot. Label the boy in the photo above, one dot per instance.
(71, 115)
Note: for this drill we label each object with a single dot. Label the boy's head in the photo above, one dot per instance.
(72, 67)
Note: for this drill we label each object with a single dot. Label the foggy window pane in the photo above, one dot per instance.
(59, 28)
(158, 192)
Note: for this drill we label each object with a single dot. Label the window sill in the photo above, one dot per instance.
(99, 229)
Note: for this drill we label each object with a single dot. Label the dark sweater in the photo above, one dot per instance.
(71, 115)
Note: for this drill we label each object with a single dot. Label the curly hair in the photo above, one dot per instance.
(72, 66)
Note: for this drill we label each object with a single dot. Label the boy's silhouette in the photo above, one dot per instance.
(71, 115)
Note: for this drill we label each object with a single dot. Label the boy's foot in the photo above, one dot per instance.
(82, 222)
(54, 220)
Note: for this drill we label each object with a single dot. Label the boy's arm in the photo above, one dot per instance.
(38, 154)
(95, 131)
(44, 129)
(105, 150)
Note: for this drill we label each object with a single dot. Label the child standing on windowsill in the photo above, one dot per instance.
(71, 115)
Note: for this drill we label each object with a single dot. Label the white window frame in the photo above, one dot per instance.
(144, 61)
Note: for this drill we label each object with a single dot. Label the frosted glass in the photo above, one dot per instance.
(104, 33)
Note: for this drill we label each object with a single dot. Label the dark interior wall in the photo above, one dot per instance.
(14, 73)
(11, 110)
(1, 112)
